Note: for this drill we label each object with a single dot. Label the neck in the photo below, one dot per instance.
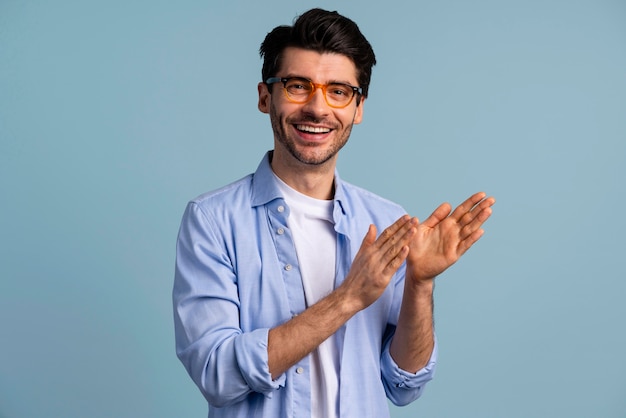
(316, 181)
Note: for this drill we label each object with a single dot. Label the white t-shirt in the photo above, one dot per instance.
(315, 239)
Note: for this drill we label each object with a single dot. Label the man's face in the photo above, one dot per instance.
(311, 133)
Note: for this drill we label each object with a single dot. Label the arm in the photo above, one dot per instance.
(371, 271)
(209, 338)
(440, 241)
(227, 363)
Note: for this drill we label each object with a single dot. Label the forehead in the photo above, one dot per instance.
(319, 67)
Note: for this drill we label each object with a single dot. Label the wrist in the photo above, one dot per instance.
(344, 302)
(425, 286)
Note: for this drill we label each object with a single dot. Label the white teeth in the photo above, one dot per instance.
(312, 129)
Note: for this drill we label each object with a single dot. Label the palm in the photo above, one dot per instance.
(444, 237)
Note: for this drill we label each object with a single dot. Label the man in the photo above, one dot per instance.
(287, 303)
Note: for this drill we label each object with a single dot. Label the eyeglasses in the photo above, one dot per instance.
(301, 90)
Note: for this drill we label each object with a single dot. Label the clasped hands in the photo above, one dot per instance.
(428, 248)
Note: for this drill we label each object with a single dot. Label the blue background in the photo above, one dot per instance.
(114, 114)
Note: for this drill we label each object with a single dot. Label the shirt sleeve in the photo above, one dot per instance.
(224, 362)
(401, 386)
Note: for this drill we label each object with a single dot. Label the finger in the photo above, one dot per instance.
(438, 215)
(469, 241)
(485, 203)
(395, 247)
(470, 214)
(394, 231)
(474, 220)
(476, 223)
(467, 205)
(401, 239)
(370, 236)
(484, 211)
(394, 263)
(480, 211)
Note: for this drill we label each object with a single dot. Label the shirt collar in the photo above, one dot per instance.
(265, 188)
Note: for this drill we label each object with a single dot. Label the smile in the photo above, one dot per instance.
(313, 129)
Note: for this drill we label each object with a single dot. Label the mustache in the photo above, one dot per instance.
(312, 119)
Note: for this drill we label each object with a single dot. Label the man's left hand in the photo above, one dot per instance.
(444, 237)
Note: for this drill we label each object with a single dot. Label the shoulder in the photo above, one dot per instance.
(220, 206)
(227, 195)
(355, 192)
(357, 200)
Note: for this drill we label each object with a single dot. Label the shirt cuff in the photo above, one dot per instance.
(400, 378)
(252, 357)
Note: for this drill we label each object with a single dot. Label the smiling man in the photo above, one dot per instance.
(309, 128)
(287, 301)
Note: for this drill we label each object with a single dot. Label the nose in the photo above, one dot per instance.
(317, 104)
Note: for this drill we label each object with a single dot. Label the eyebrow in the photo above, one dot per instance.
(291, 75)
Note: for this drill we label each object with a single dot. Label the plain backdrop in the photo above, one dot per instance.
(113, 114)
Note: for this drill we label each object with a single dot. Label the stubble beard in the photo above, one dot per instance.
(316, 158)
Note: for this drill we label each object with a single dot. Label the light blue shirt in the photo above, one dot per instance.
(237, 276)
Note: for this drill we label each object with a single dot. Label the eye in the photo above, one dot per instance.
(339, 90)
(297, 85)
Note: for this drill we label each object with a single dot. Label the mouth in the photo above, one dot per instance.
(312, 129)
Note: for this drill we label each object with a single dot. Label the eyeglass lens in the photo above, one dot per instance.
(301, 90)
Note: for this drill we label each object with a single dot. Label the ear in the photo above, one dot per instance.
(358, 114)
(264, 98)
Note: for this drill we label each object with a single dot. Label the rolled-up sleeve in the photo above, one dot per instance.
(224, 362)
(401, 386)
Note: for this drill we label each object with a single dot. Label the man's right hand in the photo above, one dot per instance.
(376, 262)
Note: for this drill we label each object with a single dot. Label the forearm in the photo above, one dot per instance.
(371, 270)
(290, 342)
(413, 341)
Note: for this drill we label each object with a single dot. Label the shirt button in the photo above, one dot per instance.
(281, 209)
(288, 267)
(299, 370)
(280, 231)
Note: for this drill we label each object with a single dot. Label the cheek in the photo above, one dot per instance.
(284, 112)
(276, 119)
(274, 112)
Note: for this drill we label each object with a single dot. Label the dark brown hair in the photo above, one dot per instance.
(322, 31)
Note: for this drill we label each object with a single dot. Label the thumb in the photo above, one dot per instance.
(370, 236)
(438, 215)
